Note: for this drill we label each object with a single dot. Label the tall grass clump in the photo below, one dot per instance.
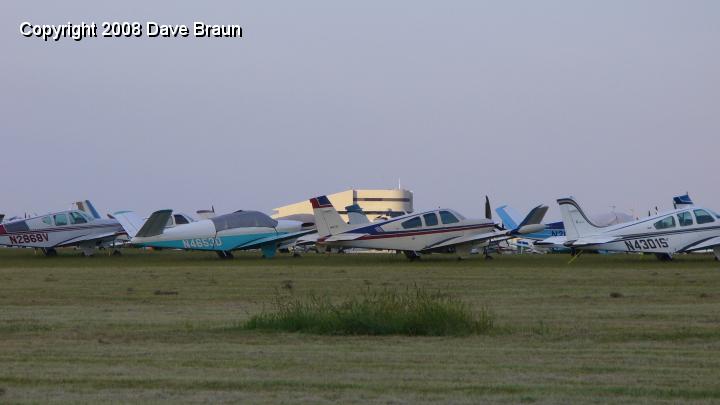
(416, 312)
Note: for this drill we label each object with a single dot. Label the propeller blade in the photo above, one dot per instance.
(488, 210)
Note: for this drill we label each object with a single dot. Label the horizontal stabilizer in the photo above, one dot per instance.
(344, 236)
(259, 243)
(594, 240)
(155, 225)
(553, 240)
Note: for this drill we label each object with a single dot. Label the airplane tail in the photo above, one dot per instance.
(577, 224)
(356, 215)
(327, 219)
(87, 207)
(508, 216)
(532, 222)
(134, 225)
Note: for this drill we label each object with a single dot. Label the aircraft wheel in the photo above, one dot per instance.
(411, 255)
(296, 254)
(488, 257)
(663, 257)
(117, 253)
(50, 252)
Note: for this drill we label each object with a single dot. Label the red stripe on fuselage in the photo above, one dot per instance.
(402, 234)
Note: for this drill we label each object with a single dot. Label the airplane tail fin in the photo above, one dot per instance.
(508, 216)
(532, 223)
(327, 219)
(682, 201)
(577, 224)
(134, 225)
(356, 215)
(87, 207)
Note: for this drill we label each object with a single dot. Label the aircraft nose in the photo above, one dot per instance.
(2, 230)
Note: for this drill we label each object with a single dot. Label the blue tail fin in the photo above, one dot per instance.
(508, 216)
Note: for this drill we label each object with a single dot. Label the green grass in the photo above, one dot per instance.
(412, 312)
(604, 329)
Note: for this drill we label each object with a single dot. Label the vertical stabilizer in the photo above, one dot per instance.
(576, 223)
(327, 219)
(356, 216)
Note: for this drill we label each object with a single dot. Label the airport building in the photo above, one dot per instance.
(374, 203)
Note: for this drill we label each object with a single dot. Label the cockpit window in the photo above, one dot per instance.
(47, 220)
(61, 219)
(703, 217)
(412, 223)
(665, 223)
(685, 218)
(243, 219)
(76, 218)
(448, 218)
(430, 219)
(180, 219)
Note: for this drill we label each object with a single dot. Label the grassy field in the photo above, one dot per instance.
(166, 326)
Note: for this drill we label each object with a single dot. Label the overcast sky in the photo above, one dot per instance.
(614, 102)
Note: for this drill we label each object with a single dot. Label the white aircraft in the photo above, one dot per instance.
(442, 230)
(687, 228)
(61, 229)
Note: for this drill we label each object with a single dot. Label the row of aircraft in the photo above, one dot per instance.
(686, 228)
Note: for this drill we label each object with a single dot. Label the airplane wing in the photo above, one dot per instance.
(702, 245)
(477, 239)
(88, 238)
(278, 238)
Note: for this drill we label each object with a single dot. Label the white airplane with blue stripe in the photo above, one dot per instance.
(223, 234)
(442, 230)
(687, 228)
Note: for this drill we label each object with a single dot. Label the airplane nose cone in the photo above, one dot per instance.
(2, 230)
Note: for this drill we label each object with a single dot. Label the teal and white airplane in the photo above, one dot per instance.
(239, 230)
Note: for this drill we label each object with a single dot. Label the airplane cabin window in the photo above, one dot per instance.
(61, 220)
(448, 218)
(430, 219)
(703, 217)
(47, 220)
(76, 218)
(180, 219)
(685, 218)
(665, 223)
(412, 223)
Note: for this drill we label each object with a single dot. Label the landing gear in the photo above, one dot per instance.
(663, 257)
(412, 255)
(224, 254)
(116, 253)
(487, 254)
(49, 252)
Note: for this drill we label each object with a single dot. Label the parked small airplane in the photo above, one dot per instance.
(61, 229)
(442, 230)
(685, 229)
(240, 230)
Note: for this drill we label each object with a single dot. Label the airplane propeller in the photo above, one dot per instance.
(488, 210)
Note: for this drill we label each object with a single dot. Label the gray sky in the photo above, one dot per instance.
(614, 102)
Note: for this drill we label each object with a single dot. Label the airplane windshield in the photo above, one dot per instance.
(243, 219)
